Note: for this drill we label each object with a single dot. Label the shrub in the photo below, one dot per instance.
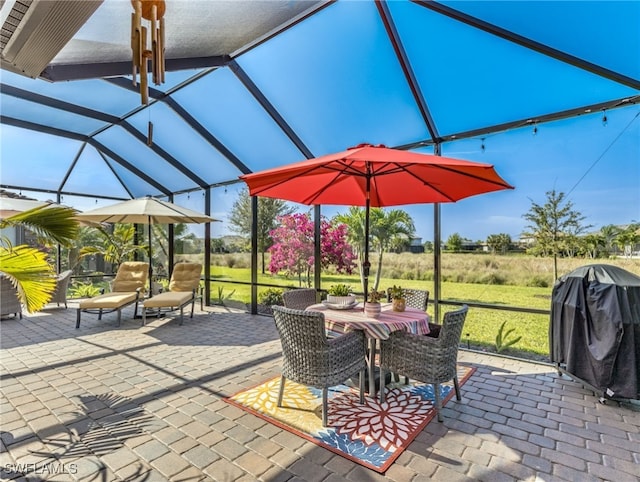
(222, 296)
(84, 290)
(408, 275)
(501, 338)
(230, 261)
(493, 279)
(427, 276)
(271, 296)
(491, 263)
(538, 282)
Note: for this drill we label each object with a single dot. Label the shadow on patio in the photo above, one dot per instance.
(134, 403)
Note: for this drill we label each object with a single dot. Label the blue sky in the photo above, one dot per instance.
(335, 79)
(596, 165)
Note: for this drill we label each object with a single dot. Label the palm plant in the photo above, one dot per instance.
(609, 234)
(116, 246)
(27, 267)
(355, 221)
(386, 229)
(389, 229)
(628, 238)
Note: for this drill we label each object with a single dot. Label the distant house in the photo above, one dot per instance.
(16, 235)
(415, 246)
(468, 245)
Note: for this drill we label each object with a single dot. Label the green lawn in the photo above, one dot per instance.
(481, 326)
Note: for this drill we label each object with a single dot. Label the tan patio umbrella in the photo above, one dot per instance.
(147, 210)
(10, 206)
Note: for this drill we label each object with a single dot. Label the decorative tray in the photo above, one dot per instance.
(333, 306)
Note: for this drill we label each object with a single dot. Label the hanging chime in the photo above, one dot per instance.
(153, 11)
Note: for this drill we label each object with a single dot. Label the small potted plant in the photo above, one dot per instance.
(372, 307)
(397, 298)
(340, 294)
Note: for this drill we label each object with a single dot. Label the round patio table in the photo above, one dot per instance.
(338, 322)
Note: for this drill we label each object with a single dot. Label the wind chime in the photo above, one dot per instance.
(153, 11)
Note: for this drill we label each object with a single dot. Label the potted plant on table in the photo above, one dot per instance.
(340, 294)
(397, 298)
(372, 307)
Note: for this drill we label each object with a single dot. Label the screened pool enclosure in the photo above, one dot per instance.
(251, 85)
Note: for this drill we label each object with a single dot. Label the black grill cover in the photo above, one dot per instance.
(595, 328)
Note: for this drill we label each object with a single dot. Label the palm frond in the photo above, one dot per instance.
(55, 224)
(29, 271)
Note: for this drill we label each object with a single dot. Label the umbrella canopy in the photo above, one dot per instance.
(145, 210)
(375, 176)
(10, 206)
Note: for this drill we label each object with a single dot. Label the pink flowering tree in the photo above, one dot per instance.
(292, 251)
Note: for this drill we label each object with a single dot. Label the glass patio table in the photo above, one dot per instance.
(342, 321)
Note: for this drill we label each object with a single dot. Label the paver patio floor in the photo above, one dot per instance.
(134, 403)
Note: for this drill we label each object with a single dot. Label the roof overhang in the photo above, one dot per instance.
(70, 39)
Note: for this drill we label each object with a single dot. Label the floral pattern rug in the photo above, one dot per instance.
(372, 435)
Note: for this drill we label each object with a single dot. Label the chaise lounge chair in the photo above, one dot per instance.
(185, 280)
(127, 288)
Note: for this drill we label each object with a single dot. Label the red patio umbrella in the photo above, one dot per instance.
(375, 176)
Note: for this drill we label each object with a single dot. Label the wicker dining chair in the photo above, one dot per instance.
(423, 358)
(299, 299)
(414, 298)
(418, 299)
(310, 358)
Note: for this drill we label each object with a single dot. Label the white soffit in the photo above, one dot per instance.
(193, 28)
(33, 32)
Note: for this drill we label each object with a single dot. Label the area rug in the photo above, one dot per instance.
(372, 435)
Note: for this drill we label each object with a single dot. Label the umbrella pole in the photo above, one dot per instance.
(150, 263)
(366, 265)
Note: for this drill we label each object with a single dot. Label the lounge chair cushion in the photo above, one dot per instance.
(185, 277)
(168, 298)
(131, 276)
(108, 300)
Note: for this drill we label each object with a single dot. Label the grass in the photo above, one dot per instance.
(481, 325)
(510, 281)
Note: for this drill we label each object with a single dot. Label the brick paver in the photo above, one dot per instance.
(146, 403)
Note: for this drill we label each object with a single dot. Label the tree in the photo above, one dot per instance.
(386, 229)
(454, 243)
(609, 234)
(628, 238)
(116, 246)
(499, 242)
(268, 212)
(592, 244)
(293, 247)
(87, 236)
(553, 224)
(217, 245)
(389, 230)
(28, 268)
